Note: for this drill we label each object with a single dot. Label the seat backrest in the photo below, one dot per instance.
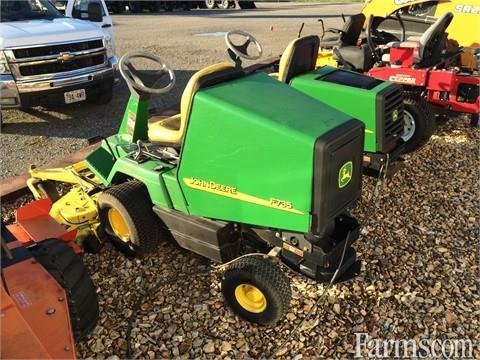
(430, 40)
(299, 57)
(352, 29)
(209, 76)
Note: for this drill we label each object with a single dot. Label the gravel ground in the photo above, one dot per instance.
(419, 277)
(39, 135)
(420, 252)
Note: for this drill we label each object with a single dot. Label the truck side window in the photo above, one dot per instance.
(80, 9)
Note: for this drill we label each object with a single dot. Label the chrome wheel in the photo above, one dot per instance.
(408, 126)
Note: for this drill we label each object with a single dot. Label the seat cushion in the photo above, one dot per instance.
(172, 129)
(165, 129)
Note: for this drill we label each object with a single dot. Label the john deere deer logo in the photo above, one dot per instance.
(345, 174)
(395, 115)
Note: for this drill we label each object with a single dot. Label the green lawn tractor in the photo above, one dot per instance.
(378, 104)
(248, 165)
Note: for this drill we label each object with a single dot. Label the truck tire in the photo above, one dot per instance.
(224, 4)
(419, 121)
(68, 270)
(256, 290)
(126, 214)
(210, 4)
(135, 7)
(116, 7)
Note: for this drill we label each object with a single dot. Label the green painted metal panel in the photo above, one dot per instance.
(174, 190)
(356, 102)
(147, 173)
(248, 152)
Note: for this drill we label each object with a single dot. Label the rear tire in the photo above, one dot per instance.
(419, 122)
(126, 214)
(134, 7)
(68, 270)
(474, 122)
(256, 290)
(224, 4)
(210, 4)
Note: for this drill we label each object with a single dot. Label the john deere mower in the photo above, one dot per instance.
(428, 67)
(378, 104)
(250, 166)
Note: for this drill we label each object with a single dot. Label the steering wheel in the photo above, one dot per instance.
(132, 75)
(242, 50)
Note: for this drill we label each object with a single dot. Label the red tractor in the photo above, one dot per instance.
(427, 66)
(48, 299)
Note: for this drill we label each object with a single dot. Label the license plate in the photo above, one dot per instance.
(75, 96)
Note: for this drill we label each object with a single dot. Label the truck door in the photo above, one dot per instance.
(79, 9)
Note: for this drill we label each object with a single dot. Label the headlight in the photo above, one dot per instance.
(109, 47)
(4, 68)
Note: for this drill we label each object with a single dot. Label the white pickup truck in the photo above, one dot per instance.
(47, 58)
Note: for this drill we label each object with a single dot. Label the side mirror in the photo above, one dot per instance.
(95, 12)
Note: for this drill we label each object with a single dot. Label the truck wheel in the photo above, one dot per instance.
(256, 290)
(224, 4)
(116, 7)
(126, 214)
(419, 122)
(134, 7)
(210, 4)
(68, 270)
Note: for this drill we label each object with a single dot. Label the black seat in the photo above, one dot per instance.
(348, 35)
(299, 57)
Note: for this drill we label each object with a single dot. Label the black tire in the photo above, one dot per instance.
(421, 113)
(132, 201)
(134, 7)
(68, 270)
(474, 120)
(267, 278)
(48, 189)
(116, 7)
(224, 4)
(210, 4)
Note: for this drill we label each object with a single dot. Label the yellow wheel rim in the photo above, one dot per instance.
(118, 225)
(250, 298)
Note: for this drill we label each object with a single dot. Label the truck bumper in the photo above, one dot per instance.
(47, 92)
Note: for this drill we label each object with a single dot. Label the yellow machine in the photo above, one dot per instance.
(77, 209)
(463, 29)
(418, 15)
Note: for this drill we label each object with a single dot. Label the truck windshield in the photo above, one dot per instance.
(16, 10)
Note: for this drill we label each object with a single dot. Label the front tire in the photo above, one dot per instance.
(126, 214)
(224, 4)
(256, 290)
(68, 270)
(474, 120)
(419, 122)
(210, 4)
